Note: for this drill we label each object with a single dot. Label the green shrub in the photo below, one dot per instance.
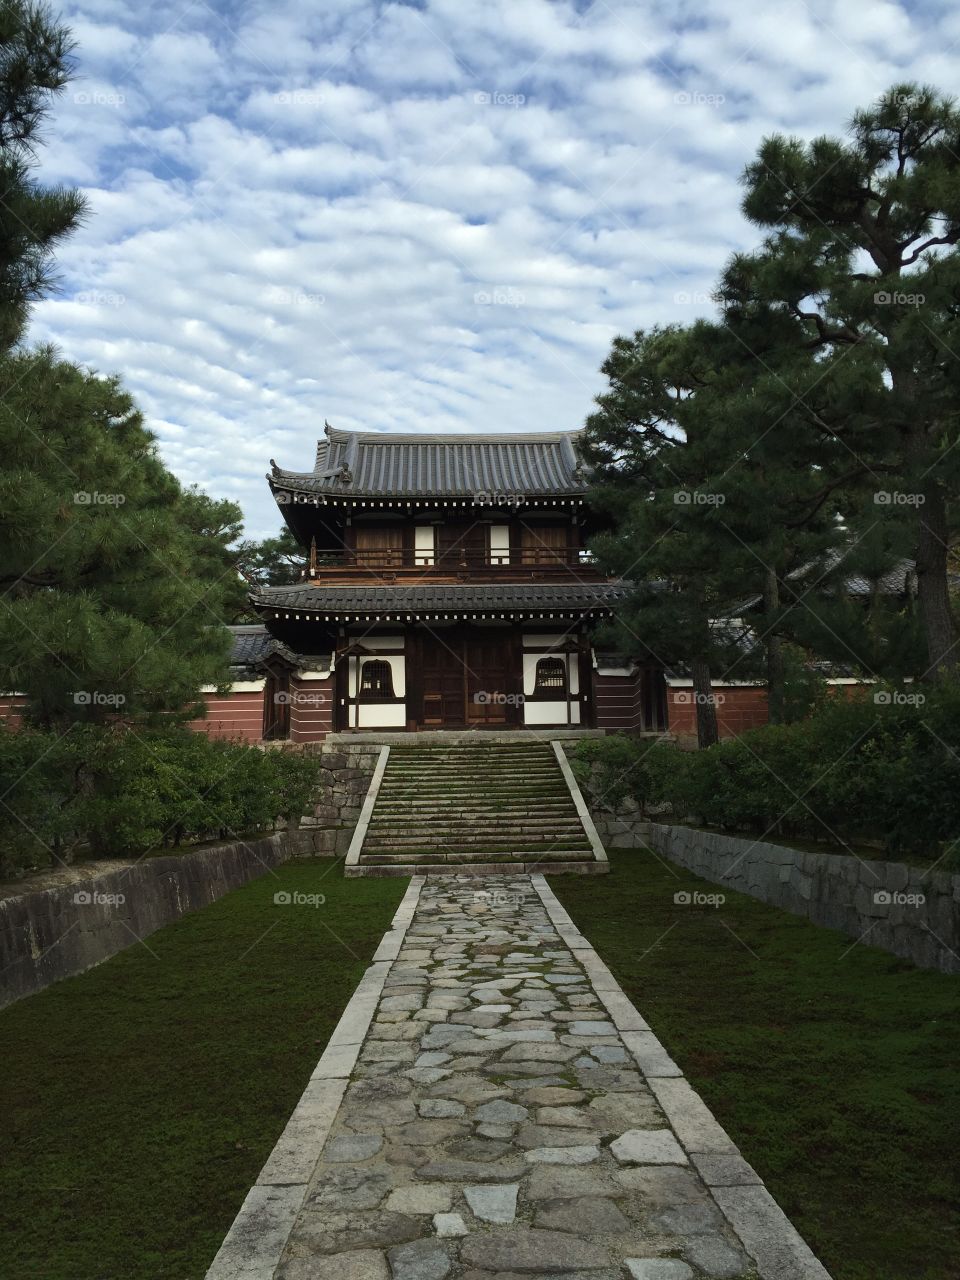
(611, 769)
(883, 765)
(118, 791)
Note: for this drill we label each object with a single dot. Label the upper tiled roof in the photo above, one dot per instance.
(426, 597)
(378, 464)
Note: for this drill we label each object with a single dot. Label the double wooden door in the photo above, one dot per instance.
(467, 679)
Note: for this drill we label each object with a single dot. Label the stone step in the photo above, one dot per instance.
(385, 827)
(508, 786)
(483, 804)
(430, 856)
(504, 831)
(584, 867)
(506, 844)
(483, 775)
(477, 852)
(470, 810)
(492, 754)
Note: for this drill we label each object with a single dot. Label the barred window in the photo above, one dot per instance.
(551, 676)
(376, 680)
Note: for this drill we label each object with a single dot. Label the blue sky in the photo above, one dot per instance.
(429, 216)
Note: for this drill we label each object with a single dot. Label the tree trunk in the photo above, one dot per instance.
(774, 642)
(933, 595)
(704, 704)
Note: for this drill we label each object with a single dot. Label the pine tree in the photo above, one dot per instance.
(650, 450)
(274, 562)
(35, 65)
(862, 256)
(115, 579)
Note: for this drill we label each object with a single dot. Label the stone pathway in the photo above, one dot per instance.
(505, 1113)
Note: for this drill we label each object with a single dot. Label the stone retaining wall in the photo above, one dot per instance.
(346, 770)
(48, 934)
(909, 911)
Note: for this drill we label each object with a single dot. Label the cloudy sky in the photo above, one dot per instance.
(422, 216)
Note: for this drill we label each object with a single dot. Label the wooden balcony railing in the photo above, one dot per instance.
(457, 561)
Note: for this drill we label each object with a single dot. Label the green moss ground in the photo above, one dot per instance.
(833, 1066)
(140, 1099)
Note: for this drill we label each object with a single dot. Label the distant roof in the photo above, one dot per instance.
(442, 598)
(380, 464)
(254, 645)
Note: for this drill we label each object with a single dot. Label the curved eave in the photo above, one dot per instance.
(289, 492)
(272, 612)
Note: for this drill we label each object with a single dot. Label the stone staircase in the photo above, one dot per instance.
(474, 809)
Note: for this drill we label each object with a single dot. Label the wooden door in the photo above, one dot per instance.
(441, 679)
(379, 546)
(544, 544)
(491, 680)
(462, 544)
(469, 679)
(276, 707)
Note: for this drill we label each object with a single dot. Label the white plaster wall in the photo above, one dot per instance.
(545, 713)
(500, 544)
(424, 544)
(379, 715)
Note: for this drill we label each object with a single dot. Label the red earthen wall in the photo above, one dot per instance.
(737, 709)
(10, 704)
(236, 715)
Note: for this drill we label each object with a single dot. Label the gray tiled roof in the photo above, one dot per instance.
(425, 597)
(252, 645)
(249, 645)
(377, 463)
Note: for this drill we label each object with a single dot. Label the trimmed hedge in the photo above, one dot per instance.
(881, 766)
(116, 791)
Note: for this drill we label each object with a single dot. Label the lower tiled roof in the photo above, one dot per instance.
(425, 597)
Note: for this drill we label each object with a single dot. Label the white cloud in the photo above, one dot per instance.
(421, 217)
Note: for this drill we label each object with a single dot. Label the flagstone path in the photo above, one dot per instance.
(506, 1113)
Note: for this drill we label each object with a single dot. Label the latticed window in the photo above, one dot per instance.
(376, 680)
(551, 676)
